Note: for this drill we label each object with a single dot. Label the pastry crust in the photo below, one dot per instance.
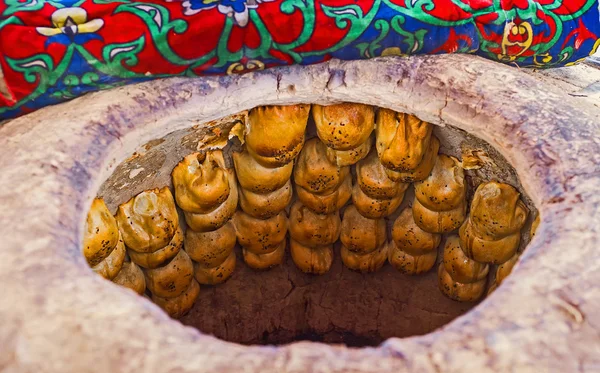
(219, 216)
(410, 238)
(312, 229)
(264, 206)
(487, 251)
(373, 208)
(266, 260)
(101, 233)
(260, 236)
(373, 180)
(497, 211)
(256, 178)
(110, 266)
(148, 221)
(362, 235)
(314, 260)
(275, 134)
(344, 126)
(460, 267)
(215, 275)
(314, 172)
(410, 264)
(459, 291)
(444, 189)
(365, 263)
(402, 140)
(210, 249)
(349, 157)
(439, 221)
(172, 279)
(505, 269)
(178, 306)
(326, 203)
(201, 182)
(422, 170)
(160, 256)
(132, 277)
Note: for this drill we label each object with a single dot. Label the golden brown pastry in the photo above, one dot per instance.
(326, 203)
(423, 169)
(373, 208)
(349, 157)
(260, 236)
(180, 305)
(373, 180)
(210, 249)
(312, 229)
(534, 226)
(132, 277)
(172, 279)
(505, 269)
(402, 140)
(201, 182)
(314, 172)
(257, 178)
(275, 134)
(411, 239)
(459, 291)
(314, 260)
(460, 267)
(219, 216)
(344, 126)
(439, 221)
(264, 206)
(444, 189)
(160, 256)
(365, 263)
(110, 266)
(215, 275)
(362, 235)
(149, 220)
(267, 260)
(101, 233)
(497, 211)
(481, 250)
(410, 264)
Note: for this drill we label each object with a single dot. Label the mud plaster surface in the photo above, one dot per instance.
(283, 304)
(542, 319)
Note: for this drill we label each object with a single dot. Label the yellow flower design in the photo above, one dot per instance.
(71, 21)
(239, 68)
(392, 51)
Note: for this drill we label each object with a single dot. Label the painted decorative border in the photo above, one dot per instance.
(55, 50)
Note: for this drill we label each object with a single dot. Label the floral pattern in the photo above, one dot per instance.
(55, 50)
(236, 9)
(71, 26)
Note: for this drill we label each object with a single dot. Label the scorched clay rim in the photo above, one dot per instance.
(58, 316)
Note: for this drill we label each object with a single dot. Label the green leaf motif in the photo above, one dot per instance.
(39, 69)
(157, 20)
(12, 20)
(111, 1)
(344, 16)
(14, 6)
(123, 53)
(413, 41)
(307, 8)
(71, 80)
(349, 14)
(38, 66)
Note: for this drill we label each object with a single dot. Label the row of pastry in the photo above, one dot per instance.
(249, 203)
